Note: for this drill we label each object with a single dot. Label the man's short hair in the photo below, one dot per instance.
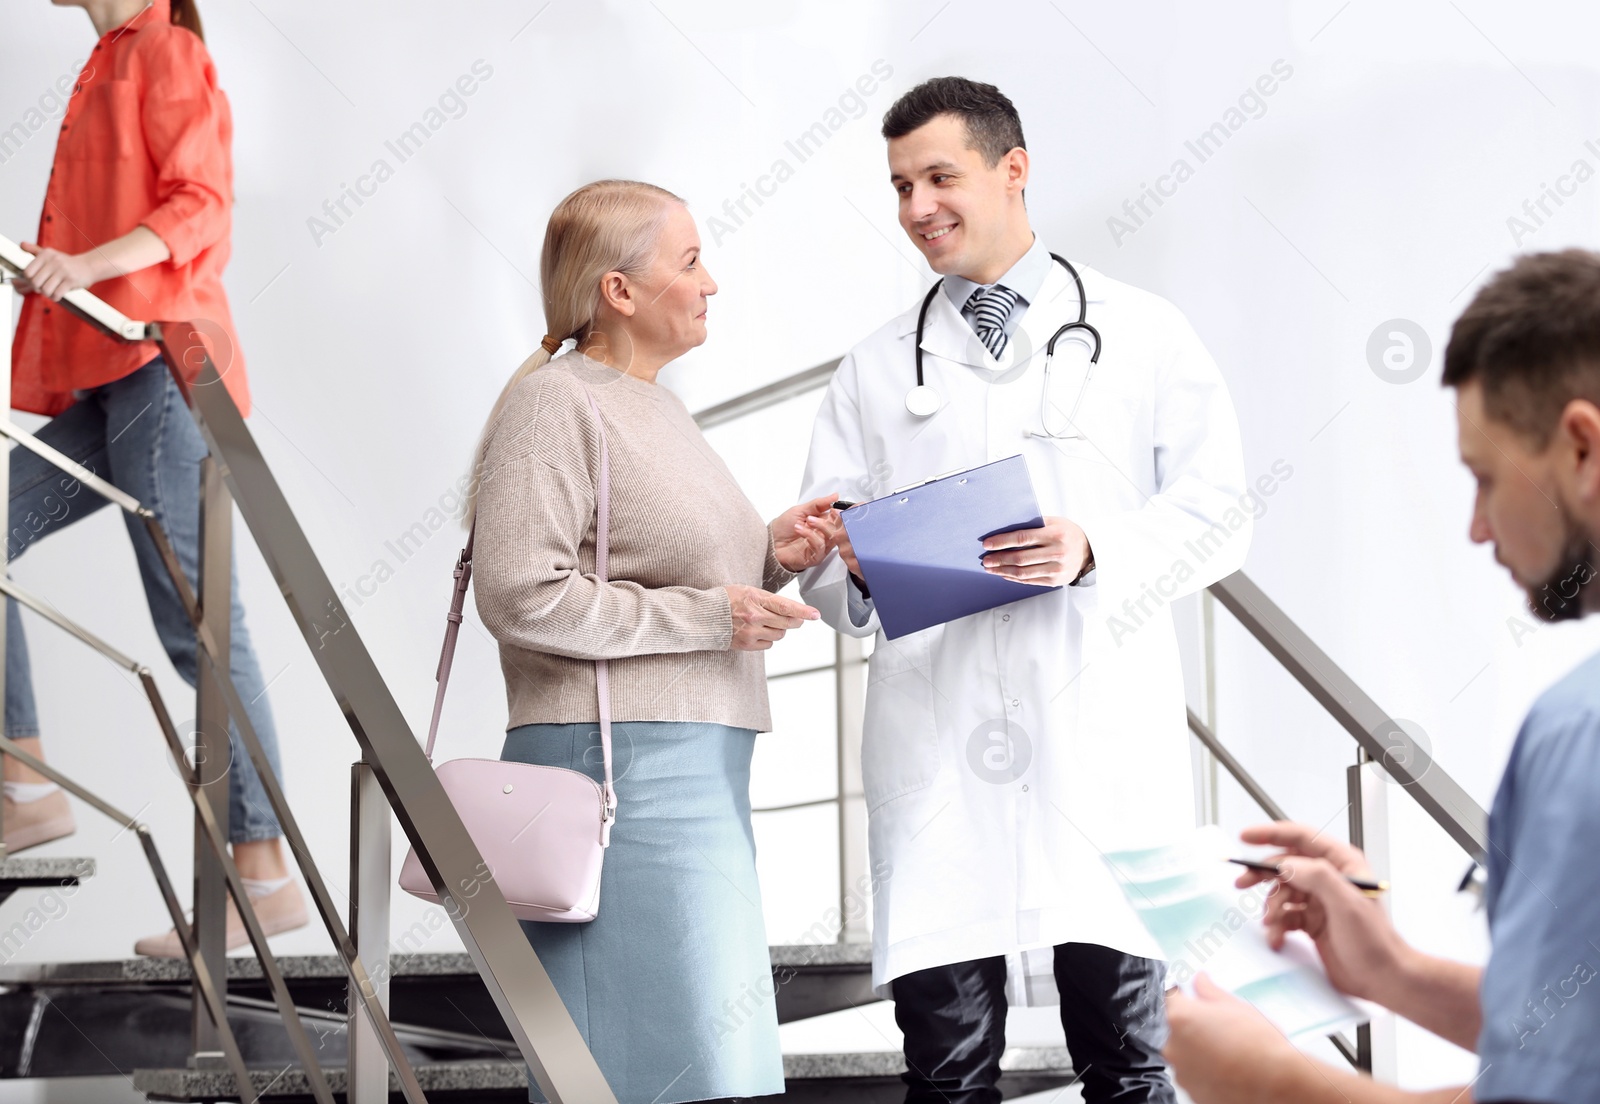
(1531, 339)
(993, 127)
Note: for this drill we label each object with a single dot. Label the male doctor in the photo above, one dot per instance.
(1005, 751)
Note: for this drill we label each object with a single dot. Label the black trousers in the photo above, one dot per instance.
(1112, 1007)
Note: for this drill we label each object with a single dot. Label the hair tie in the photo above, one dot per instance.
(550, 344)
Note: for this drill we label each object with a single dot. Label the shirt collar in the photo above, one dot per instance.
(156, 12)
(1025, 277)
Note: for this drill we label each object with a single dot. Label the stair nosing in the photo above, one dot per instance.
(500, 1074)
(819, 957)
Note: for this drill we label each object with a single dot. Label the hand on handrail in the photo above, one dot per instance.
(53, 273)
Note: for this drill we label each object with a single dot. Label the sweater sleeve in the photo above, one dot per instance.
(774, 576)
(536, 506)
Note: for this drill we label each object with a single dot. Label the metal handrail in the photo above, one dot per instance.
(763, 397)
(214, 655)
(1374, 730)
(527, 1000)
(1246, 780)
(87, 306)
(523, 993)
(1378, 737)
(213, 998)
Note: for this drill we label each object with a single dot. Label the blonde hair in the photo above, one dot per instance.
(606, 226)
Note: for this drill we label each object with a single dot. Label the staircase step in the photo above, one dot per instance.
(834, 956)
(49, 870)
(61, 1019)
(241, 967)
(891, 1063)
(864, 1077)
(477, 1077)
(814, 979)
(440, 991)
(43, 873)
(840, 958)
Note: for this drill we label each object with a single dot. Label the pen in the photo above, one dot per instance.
(843, 505)
(1369, 888)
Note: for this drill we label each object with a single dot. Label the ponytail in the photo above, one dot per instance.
(186, 15)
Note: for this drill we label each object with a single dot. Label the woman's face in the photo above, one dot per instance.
(670, 301)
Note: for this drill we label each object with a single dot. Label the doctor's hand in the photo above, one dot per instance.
(1052, 556)
(847, 552)
(1222, 1051)
(1357, 943)
(760, 618)
(802, 535)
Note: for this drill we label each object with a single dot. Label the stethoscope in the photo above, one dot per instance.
(923, 401)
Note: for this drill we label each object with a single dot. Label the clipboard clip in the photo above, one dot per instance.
(925, 482)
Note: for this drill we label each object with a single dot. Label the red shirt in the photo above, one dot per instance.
(145, 142)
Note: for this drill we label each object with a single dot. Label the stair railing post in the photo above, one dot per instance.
(212, 754)
(850, 675)
(522, 991)
(1210, 799)
(369, 932)
(1368, 792)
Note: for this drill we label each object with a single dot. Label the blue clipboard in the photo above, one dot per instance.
(921, 548)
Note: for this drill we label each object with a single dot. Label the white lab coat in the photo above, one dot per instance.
(1004, 752)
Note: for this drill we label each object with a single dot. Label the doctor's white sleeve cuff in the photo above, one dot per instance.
(827, 587)
(860, 607)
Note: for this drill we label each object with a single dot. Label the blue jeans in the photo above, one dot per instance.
(137, 433)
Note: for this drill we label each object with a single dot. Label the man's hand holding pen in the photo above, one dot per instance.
(1360, 948)
(1219, 1046)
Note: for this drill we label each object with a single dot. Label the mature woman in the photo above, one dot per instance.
(138, 209)
(670, 984)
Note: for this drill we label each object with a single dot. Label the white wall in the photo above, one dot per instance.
(1375, 184)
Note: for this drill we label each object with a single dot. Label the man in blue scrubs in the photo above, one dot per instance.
(1525, 363)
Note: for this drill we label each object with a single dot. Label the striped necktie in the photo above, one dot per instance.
(991, 306)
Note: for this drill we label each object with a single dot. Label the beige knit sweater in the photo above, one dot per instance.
(681, 530)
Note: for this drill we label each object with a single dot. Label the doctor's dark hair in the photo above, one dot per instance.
(606, 226)
(993, 127)
(1531, 339)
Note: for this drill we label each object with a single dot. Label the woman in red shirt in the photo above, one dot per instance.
(138, 209)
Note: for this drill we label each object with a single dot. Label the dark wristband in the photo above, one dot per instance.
(1088, 566)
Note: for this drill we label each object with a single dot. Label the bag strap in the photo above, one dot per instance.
(602, 671)
(602, 668)
(441, 674)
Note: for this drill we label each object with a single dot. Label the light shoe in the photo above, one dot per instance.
(284, 909)
(30, 823)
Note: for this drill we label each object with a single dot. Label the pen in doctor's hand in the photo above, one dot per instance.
(843, 505)
(1368, 888)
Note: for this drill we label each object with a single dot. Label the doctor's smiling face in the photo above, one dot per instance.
(965, 215)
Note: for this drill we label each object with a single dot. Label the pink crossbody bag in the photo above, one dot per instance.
(542, 831)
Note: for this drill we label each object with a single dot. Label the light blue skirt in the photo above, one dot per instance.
(671, 984)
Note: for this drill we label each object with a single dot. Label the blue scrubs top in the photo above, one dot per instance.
(1541, 990)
